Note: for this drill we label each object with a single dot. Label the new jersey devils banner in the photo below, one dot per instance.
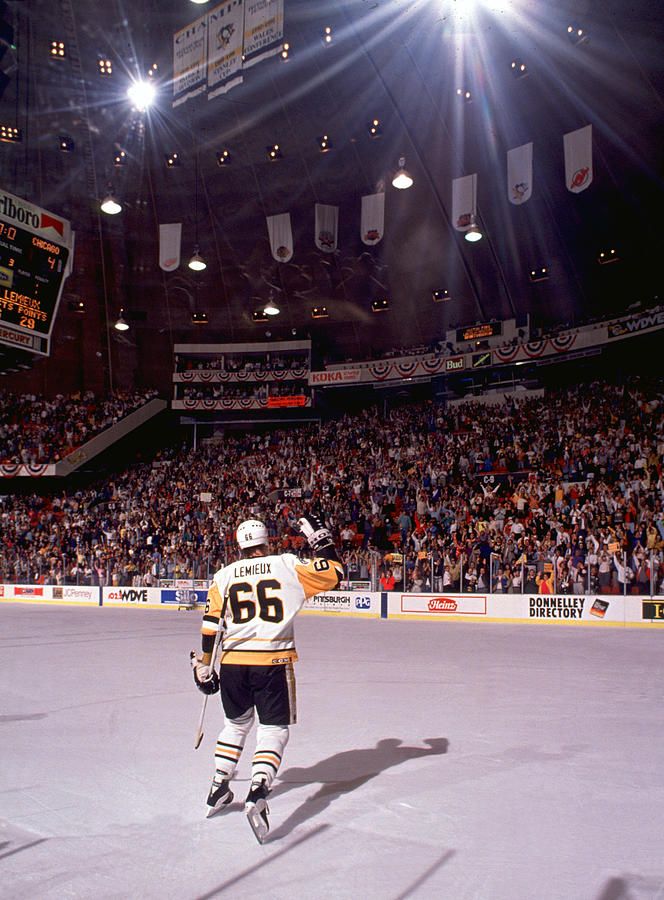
(372, 224)
(520, 174)
(579, 159)
(281, 237)
(225, 27)
(189, 60)
(263, 29)
(464, 201)
(169, 246)
(327, 226)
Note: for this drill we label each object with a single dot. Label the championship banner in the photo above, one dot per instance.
(225, 27)
(281, 237)
(263, 29)
(579, 159)
(327, 227)
(464, 201)
(372, 223)
(169, 246)
(190, 60)
(520, 174)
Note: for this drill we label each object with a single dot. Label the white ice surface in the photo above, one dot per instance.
(431, 761)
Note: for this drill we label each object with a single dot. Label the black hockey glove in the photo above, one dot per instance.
(205, 677)
(318, 537)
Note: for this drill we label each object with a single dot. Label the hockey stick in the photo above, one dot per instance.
(199, 731)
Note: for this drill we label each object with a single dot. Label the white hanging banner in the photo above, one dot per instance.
(225, 30)
(281, 237)
(464, 201)
(189, 60)
(579, 159)
(327, 227)
(263, 29)
(520, 174)
(169, 246)
(372, 224)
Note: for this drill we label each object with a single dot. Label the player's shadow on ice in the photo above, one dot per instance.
(344, 772)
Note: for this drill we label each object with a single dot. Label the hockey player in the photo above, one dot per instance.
(254, 602)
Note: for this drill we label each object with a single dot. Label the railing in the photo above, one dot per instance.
(527, 575)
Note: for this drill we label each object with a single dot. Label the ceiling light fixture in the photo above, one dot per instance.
(440, 295)
(324, 143)
(197, 263)
(199, 318)
(58, 50)
(271, 308)
(121, 325)
(327, 35)
(285, 48)
(172, 160)
(224, 158)
(259, 316)
(105, 67)
(66, 143)
(402, 180)
(9, 134)
(540, 273)
(120, 159)
(273, 152)
(577, 35)
(518, 68)
(319, 312)
(608, 256)
(141, 94)
(380, 305)
(110, 205)
(375, 128)
(474, 233)
(465, 95)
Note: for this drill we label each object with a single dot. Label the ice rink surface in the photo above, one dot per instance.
(444, 760)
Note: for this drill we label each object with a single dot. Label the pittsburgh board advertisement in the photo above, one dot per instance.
(360, 602)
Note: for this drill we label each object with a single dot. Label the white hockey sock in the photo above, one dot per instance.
(230, 744)
(271, 742)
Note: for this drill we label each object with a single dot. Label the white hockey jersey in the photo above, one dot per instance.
(255, 600)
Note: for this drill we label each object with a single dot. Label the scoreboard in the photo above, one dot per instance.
(477, 332)
(35, 249)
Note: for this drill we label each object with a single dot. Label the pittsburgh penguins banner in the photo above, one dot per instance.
(579, 159)
(263, 29)
(225, 28)
(189, 60)
(464, 201)
(520, 174)
(327, 227)
(281, 237)
(169, 246)
(372, 223)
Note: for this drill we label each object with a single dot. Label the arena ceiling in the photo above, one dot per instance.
(399, 62)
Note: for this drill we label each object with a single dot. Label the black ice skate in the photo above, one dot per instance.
(256, 808)
(220, 796)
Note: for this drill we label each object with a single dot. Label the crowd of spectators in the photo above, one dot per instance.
(244, 391)
(34, 430)
(254, 362)
(562, 493)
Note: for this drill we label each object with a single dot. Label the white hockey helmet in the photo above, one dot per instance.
(251, 533)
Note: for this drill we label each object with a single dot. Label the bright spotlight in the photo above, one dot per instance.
(141, 94)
